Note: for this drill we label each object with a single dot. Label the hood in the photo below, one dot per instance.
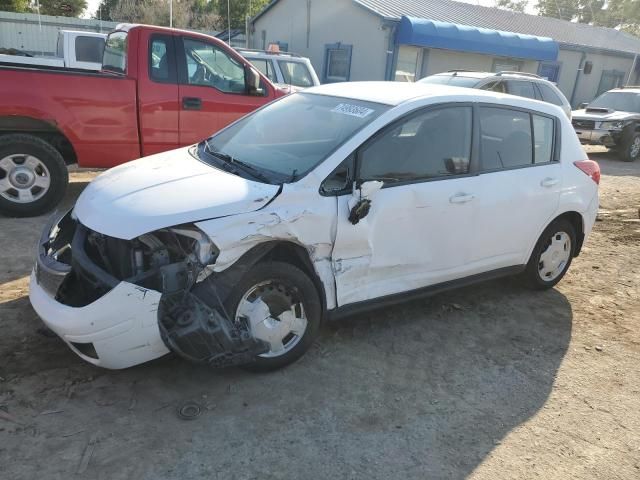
(601, 114)
(164, 190)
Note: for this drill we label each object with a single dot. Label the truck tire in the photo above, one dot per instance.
(630, 150)
(33, 176)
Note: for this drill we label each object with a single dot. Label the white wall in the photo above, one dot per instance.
(437, 61)
(588, 84)
(331, 21)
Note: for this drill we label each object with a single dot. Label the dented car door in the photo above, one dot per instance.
(416, 230)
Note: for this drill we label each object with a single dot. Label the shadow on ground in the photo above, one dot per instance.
(425, 389)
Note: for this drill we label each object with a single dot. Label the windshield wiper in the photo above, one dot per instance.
(253, 171)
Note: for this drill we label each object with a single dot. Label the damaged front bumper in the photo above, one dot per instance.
(120, 303)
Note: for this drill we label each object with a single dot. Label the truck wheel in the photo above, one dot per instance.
(33, 176)
(631, 149)
(282, 307)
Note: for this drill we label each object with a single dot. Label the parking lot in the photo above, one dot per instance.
(492, 381)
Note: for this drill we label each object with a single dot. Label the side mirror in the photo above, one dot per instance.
(252, 82)
(360, 201)
(583, 105)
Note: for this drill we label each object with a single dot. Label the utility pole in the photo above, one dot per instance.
(229, 20)
(170, 13)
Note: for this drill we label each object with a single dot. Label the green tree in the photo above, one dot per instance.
(624, 14)
(63, 8)
(238, 11)
(18, 6)
(515, 5)
(104, 10)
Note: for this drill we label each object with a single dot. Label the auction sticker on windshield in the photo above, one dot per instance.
(353, 110)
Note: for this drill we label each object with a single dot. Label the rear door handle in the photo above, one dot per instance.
(191, 103)
(461, 198)
(549, 182)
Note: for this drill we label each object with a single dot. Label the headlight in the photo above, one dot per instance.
(619, 125)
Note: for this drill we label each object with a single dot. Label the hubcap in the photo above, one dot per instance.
(275, 313)
(23, 178)
(555, 256)
(635, 147)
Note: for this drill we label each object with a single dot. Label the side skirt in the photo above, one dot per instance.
(387, 300)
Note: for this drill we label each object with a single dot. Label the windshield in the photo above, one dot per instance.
(288, 138)
(295, 73)
(455, 80)
(625, 101)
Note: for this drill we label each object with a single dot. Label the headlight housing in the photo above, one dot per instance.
(617, 125)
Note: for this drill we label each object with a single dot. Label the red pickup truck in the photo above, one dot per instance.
(159, 89)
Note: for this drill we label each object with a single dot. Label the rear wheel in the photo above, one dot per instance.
(552, 255)
(282, 307)
(33, 176)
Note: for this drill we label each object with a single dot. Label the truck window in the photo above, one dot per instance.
(89, 49)
(295, 73)
(161, 59)
(115, 53)
(266, 67)
(210, 66)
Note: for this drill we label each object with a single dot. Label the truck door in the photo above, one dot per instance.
(158, 93)
(213, 91)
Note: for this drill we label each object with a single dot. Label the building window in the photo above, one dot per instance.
(408, 63)
(506, 65)
(550, 71)
(337, 63)
(610, 79)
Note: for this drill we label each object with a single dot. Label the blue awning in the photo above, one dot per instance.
(421, 32)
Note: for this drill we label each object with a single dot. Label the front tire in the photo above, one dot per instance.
(33, 176)
(282, 306)
(631, 148)
(552, 255)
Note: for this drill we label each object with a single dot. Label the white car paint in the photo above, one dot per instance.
(415, 235)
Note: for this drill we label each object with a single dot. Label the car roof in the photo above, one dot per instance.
(465, 73)
(625, 89)
(395, 93)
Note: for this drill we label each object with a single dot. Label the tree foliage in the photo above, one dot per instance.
(623, 14)
(17, 6)
(63, 8)
(515, 5)
(238, 10)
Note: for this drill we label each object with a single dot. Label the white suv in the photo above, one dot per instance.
(522, 84)
(283, 68)
(323, 203)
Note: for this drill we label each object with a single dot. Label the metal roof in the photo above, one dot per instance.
(477, 16)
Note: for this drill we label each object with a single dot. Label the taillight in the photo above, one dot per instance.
(591, 168)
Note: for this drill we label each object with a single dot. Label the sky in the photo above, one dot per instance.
(93, 5)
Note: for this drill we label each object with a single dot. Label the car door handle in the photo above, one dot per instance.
(461, 198)
(191, 103)
(549, 182)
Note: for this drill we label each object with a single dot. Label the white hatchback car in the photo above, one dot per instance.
(325, 202)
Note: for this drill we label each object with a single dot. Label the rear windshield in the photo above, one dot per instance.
(624, 101)
(89, 49)
(289, 137)
(115, 53)
(455, 80)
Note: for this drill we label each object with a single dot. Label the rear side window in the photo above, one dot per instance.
(521, 88)
(161, 59)
(265, 67)
(548, 95)
(512, 138)
(295, 73)
(497, 86)
(433, 144)
(115, 53)
(89, 49)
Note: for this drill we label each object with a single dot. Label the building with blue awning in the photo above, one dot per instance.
(406, 40)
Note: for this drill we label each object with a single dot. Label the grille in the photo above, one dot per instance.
(586, 124)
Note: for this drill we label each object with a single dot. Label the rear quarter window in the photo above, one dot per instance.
(548, 95)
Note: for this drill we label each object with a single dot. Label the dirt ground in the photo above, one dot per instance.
(488, 382)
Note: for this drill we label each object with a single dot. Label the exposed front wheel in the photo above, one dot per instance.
(33, 176)
(552, 255)
(282, 307)
(631, 149)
